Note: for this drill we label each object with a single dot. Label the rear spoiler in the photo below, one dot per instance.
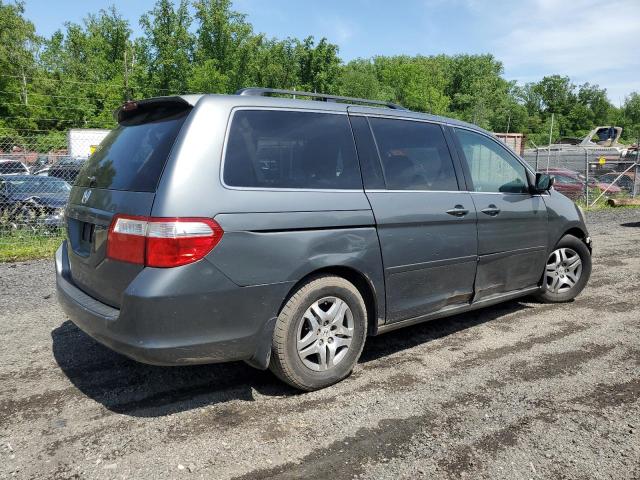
(135, 107)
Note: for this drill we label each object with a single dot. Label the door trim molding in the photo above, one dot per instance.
(508, 253)
(431, 264)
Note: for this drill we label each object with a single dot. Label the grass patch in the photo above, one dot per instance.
(17, 247)
(602, 205)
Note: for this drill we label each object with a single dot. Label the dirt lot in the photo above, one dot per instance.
(522, 390)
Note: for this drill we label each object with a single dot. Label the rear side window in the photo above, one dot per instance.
(133, 155)
(414, 155)
(285, 149)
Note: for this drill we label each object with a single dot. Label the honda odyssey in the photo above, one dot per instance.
(284, 232)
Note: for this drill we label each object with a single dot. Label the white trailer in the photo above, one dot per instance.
(82, 142)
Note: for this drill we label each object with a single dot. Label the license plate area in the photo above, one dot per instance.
(81, 236)
(87, 236)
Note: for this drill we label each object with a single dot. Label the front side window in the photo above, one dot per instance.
(492, 168)
(414, 155)
(286, 149)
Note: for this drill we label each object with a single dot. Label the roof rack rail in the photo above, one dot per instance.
(265, 92)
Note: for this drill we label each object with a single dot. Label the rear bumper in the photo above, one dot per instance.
(163, 321)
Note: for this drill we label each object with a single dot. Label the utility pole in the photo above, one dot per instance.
(635, 170)
(25, 93)
(126, 75)
(549, 146)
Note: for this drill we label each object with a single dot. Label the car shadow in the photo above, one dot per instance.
(408, 337)
(630, 224)
(127, 387)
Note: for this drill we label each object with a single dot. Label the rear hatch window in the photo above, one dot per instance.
(121, 177)
(132, 157)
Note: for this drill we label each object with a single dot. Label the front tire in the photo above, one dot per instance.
(567, 271)
(319, 334)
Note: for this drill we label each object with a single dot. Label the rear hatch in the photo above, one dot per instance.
(121, 177)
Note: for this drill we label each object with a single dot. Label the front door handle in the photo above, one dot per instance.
(458, 211)
(491, 210)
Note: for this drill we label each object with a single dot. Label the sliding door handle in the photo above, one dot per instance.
(458, 211)
(491, 210)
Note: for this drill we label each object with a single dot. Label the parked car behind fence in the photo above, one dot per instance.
(13, 167)
(625, 182)
(65, 168)
(573, 184)
(30, 202)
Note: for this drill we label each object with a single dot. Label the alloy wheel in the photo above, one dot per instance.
(325, 333)
(563, 270)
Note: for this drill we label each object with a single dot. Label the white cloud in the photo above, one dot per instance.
(588, 40)
(337, 28)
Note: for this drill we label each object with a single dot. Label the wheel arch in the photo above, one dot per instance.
(358, 279)
(577, 232)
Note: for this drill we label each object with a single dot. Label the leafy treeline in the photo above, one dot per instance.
(78, 76)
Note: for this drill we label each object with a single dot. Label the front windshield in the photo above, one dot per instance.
(37, 185)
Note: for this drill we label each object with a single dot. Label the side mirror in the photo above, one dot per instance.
(544, 182)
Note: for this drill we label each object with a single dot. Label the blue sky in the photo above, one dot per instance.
(532, 38)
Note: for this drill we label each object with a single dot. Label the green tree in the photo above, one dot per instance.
(507, 113)
(167, 46)
(84, 77)
(595, 99)
(557, 94)
(225, 45)
(275, 65)
(631, 116)
(476, 88)
(19, 46)
(318, 65)
(530, 98)
(417, 83)
(358, 79)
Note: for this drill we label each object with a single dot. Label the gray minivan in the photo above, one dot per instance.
(283, 232)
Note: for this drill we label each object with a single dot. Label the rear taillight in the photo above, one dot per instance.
(161, 242)
(127, 239)
(177, 241)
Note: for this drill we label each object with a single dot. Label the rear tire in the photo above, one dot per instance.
(319, 334)
(567, 271)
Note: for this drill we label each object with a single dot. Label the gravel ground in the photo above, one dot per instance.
(522, 390)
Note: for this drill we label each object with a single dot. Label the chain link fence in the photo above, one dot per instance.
(589, 175)
(36, 174)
